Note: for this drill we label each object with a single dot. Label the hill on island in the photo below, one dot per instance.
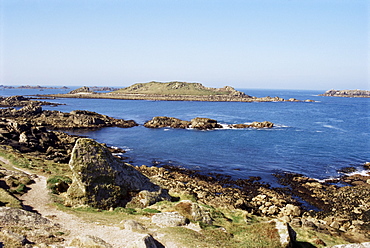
(177, 88)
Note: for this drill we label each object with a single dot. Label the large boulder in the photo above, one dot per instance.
(204, 123)
(100, 180)
(164, 121)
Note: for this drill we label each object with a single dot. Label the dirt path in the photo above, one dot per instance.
(38, 198)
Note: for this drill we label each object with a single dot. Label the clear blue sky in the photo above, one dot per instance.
(277, 44)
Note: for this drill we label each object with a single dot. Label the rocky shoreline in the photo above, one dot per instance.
(347, 93)
(21, 101)
(152, 97)
(100, 180)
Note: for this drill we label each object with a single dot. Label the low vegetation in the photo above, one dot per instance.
(229, 228)
(173, 88)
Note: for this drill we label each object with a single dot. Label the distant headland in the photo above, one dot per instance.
(36, 87)
(173, 91)
(347, 93)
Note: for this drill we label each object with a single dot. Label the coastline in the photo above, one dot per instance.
(337, 207)
(201, 98)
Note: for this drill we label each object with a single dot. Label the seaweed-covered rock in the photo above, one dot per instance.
(102, 181)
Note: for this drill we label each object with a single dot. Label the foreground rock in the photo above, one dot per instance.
(342, 209)
(21, 227)
(34, 114)
(347, 93)
(26, 138)
(199, 123)
(100, 180)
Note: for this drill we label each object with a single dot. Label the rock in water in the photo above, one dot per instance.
(100, 180)
(204, 123)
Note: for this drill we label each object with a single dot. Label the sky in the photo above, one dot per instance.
(267, 44)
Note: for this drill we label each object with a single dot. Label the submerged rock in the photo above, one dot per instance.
(100, 180)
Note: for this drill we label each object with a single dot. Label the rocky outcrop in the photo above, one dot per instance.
(343, 209)
(59, 120)
(24, 137)
(89, 241)
(204, 123)
(163, 121)
(169, 219)
(22, 227)
(100, 180)
(217, 191)
(255, 124)
(199, 123)
(347, 93)
(19, 101)
(82, 90)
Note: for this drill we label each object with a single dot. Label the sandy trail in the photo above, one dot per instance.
(39, 199)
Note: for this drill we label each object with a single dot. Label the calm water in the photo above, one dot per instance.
(315, 139)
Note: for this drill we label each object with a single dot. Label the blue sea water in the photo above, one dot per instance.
(315, 139)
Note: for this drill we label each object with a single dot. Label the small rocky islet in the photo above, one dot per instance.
(173, 91)
(98, 179)
(347, 93)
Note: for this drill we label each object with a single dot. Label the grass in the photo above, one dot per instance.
(230, 228)
(33, 163)
(53, 182)
(171, 88)
(307, 238)
(7, 200)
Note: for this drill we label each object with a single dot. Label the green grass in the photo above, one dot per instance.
(171, 88)
(7, 200)
(32, 163)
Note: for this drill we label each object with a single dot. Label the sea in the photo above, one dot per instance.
(316, 139)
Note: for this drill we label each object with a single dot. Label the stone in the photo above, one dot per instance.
(132, 225)
(164, 121)
(290, 210)
(102, 181)
(356, 245)
(18, 238)
(15, 216)
(287, 234)
(89, 241)
(194, 211)
(146, 198)
(255, 124)
(144, 241)
(169, 219)
(204, 123)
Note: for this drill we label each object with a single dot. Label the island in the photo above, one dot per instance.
(37, 87)
(173, 91)
(347, 93)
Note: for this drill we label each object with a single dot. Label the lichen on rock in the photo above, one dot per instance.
(100, 180)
